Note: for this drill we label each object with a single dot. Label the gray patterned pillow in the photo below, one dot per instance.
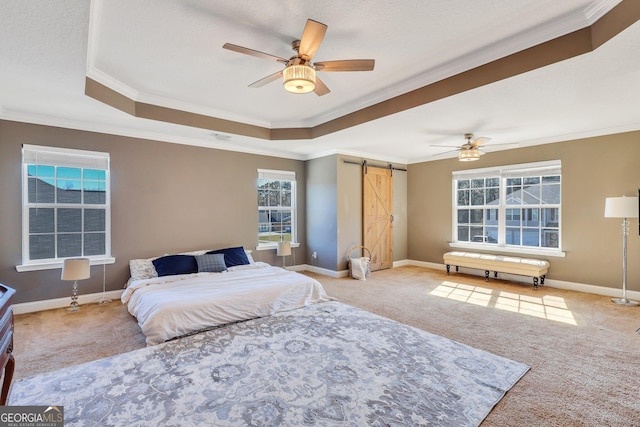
(142, 269)
(211, 263)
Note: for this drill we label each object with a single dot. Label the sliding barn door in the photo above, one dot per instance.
(377, 221)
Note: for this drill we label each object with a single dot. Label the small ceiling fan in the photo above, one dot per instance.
(468, 151)
(299, 74)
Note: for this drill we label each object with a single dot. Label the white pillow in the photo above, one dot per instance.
(248, 252)
(142, 269)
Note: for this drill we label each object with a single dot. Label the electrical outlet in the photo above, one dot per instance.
(314, 255)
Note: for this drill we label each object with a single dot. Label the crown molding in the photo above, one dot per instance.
(176, 104)
(114, 84)
(558, 27)
(356, 153)
(120, 130)
(598, 9)
(218, 144)
(630, 127)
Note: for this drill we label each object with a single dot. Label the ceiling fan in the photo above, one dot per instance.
(468, 151)
(299, 74)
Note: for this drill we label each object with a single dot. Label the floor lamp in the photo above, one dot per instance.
(622, 207)
(75, 269)
(104, 299)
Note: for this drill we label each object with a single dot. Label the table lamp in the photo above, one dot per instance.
(75, 269)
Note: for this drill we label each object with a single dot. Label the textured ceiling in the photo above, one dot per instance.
(170, 54)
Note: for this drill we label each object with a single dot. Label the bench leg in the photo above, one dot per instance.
(448, 269)
(535, 283)
(495, 274)
(457, 270)
(486, 275)
(542, 279)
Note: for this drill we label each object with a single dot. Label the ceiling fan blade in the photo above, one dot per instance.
(252, 52)
(346, 65)
(266, 80)
(451, 146)
(311, 38)
(321, 88)
(479, 141)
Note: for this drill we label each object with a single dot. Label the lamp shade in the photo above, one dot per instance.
(469, 155)
(284, 249)
(75, 269)
(621, 207)
(299, 78)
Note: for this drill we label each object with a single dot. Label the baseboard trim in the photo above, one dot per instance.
(50, 304)
(31, 307)
(319, 270)
(557, 284)
(410, 262)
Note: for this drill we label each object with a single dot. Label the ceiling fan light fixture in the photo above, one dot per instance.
(469, 155)
(299, 78)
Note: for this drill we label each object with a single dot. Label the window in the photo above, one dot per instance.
(512, 207)
(276, 207)
(65, 206)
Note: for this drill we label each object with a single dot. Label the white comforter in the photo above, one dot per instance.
(172, 306)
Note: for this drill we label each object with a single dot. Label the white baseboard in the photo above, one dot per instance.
(30, 307)
(557, 284)
(319, 270)
(425, 264)
(49, 304)
(591, 289)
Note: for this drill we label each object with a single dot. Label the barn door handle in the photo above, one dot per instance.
(391, 218)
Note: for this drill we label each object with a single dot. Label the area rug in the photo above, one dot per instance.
(327, 364)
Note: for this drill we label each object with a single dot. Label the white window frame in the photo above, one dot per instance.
(281, 176)
(552, 167)
(62, 157)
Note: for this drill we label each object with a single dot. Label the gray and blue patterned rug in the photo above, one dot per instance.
(327, 364)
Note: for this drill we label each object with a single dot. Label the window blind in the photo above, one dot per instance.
(276, 175)
(42, 155)
(551, 167)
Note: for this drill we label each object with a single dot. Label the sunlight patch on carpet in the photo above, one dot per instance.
(547, 307)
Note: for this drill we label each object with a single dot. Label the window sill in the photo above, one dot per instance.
(274, 245)
(58, 264)
(507, 249)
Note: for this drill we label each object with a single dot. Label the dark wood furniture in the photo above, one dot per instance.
(7, 362)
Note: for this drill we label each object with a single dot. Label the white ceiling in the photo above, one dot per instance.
(169, 53)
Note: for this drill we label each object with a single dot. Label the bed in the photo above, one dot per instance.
(183, 299)
(326, 364)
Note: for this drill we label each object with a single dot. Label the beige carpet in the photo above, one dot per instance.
(584, 350)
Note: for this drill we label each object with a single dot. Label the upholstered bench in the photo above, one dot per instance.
(535, 268)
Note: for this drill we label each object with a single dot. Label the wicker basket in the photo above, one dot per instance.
(359, 267)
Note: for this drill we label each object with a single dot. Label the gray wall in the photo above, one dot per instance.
(349, 210)
(592, 169)
(321, 208)
(400, 219)
(334, 210)
(166, 198)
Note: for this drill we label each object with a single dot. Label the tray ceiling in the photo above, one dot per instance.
(157, 70)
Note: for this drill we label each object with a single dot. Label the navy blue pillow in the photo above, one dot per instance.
(175, 264)
(232, 256)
